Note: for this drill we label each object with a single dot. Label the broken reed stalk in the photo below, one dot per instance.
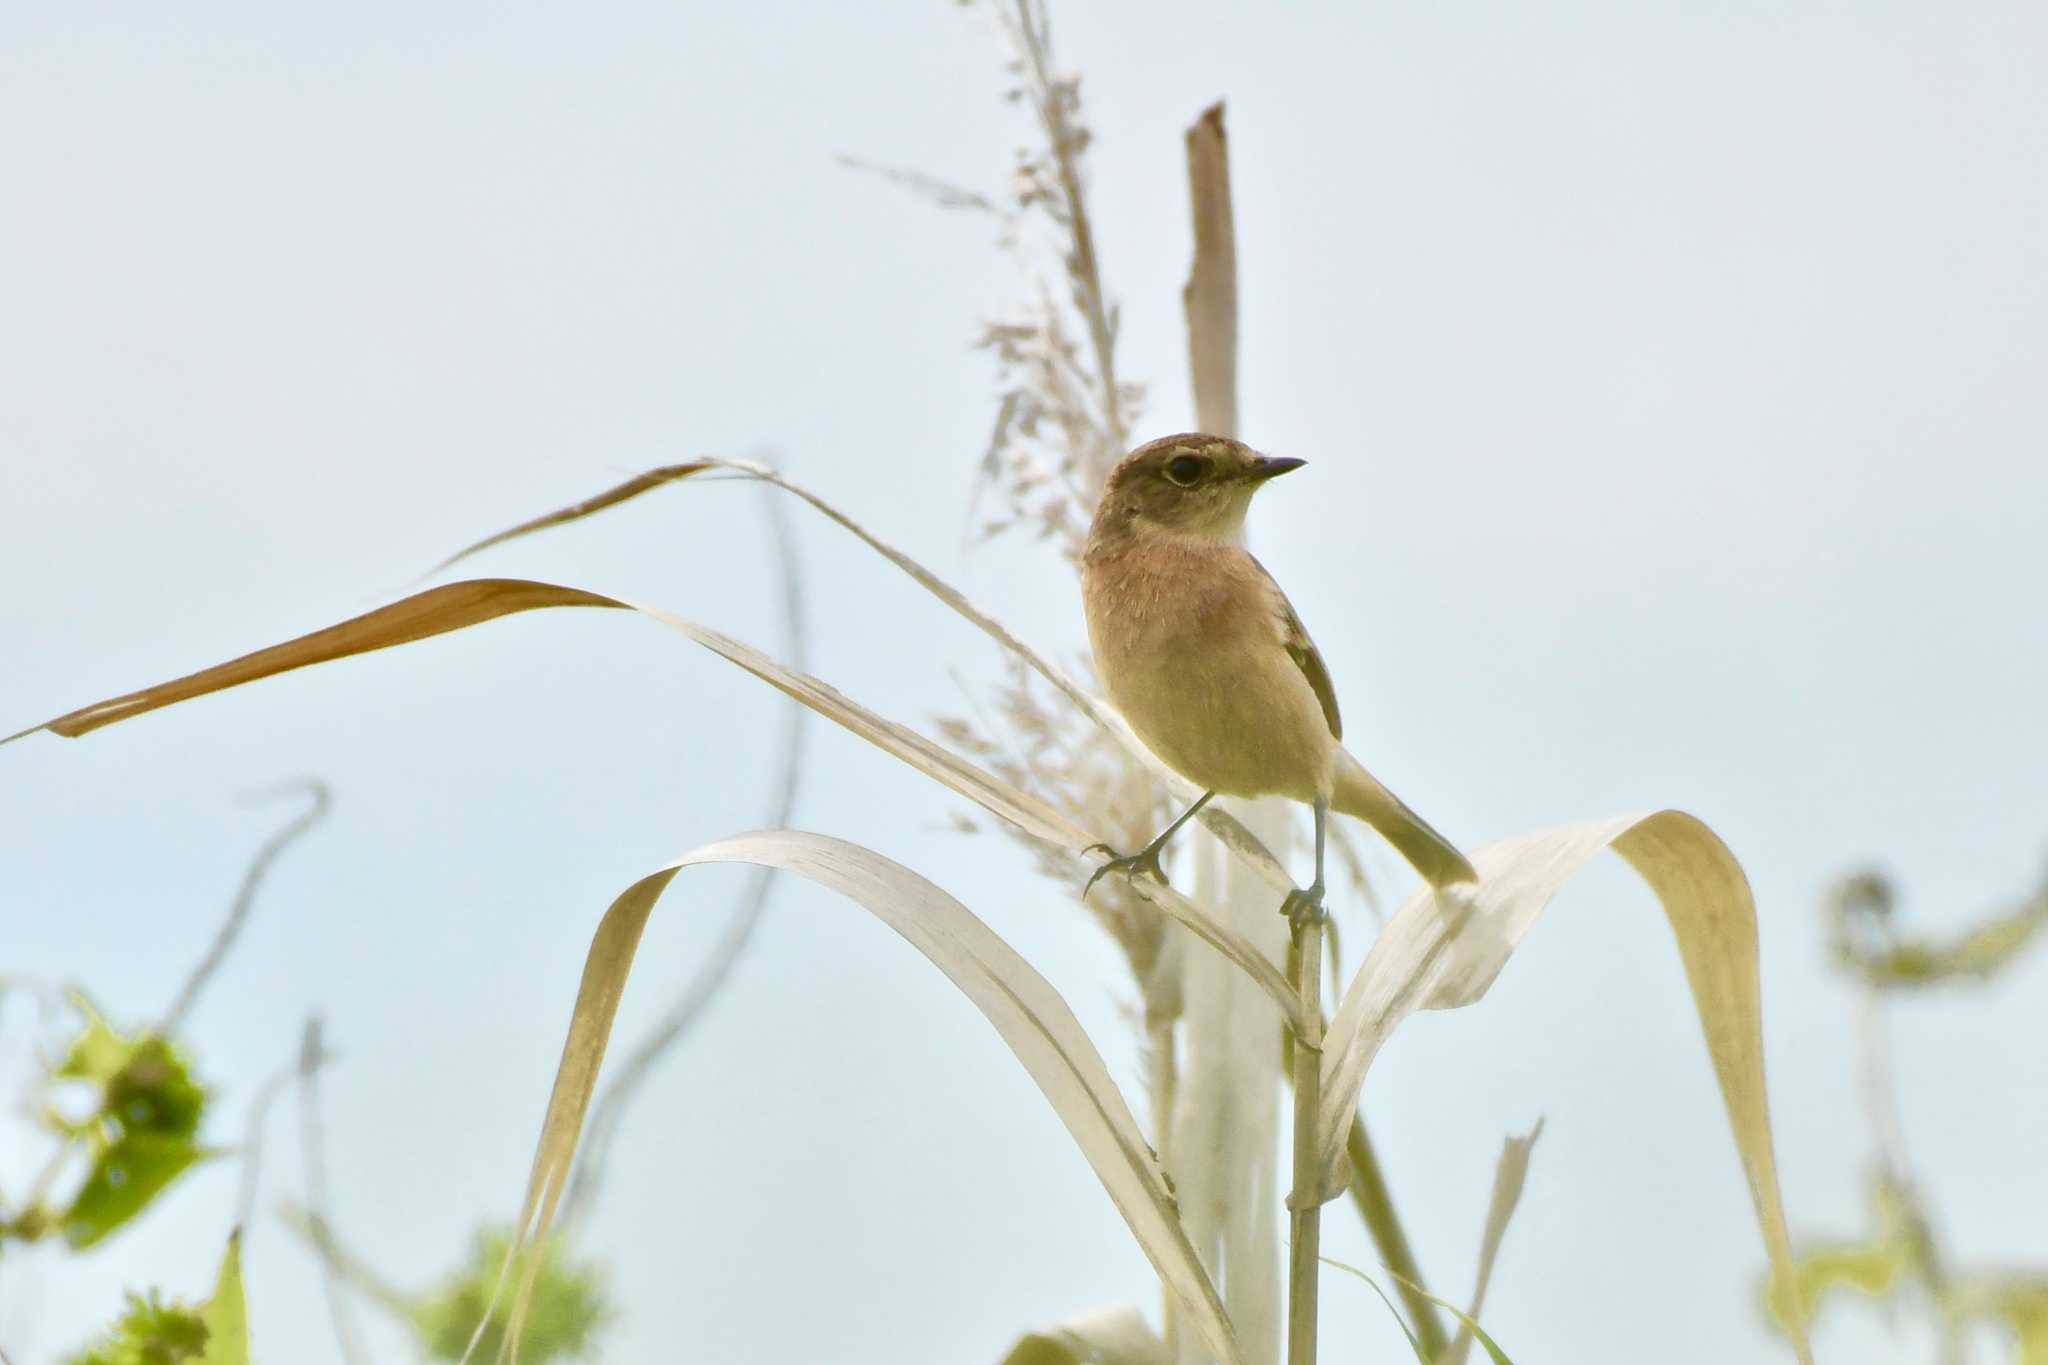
(1210, 299)
(1305, 1203)
(1235, 1166)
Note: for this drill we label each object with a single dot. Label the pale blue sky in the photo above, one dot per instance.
(1671, 380)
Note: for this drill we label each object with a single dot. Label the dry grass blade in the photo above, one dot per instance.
(1024, 1008)
(1224, 826)
(1444, 948)
(437, 611)
(1508, 1177)
(562, 516)
(418, 617)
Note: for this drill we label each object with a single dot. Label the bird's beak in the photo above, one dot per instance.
(1265, 467)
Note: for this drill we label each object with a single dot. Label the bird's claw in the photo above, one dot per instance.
(1145, 860)
(1304, 907)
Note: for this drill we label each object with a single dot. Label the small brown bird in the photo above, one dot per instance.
(1205, 657)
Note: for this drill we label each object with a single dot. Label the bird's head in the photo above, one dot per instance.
(1186, 485)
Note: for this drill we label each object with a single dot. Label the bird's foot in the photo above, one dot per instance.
(1145, 859)
(1304, 907)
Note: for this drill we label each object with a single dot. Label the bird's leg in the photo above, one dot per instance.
(1305, 907)
(1145, 859)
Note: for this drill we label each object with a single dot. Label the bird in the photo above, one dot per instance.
(1206, 658)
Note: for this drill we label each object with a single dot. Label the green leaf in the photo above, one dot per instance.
(568, 1306)
(154, 1093)
(226, 1315)
(145, 1083)
(128, 1174)
(140, 1134)
(98, 1053)
(152, 1332)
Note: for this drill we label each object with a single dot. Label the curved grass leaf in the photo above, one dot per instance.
(1471, 1327)
(454, 606)
(1421, 1356)
(1026, 1011)
(1445, 947)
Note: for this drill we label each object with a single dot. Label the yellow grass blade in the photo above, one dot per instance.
(436, 611)
(1444, 948)
(1024, 1008)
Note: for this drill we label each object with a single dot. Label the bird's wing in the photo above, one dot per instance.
(1301, 649)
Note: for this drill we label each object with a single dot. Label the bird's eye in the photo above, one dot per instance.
(1185, 469)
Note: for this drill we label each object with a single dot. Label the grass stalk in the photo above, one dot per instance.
(1305, 1203)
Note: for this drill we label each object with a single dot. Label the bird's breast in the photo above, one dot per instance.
(1188, 642)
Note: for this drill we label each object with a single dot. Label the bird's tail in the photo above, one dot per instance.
(1361, 794)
